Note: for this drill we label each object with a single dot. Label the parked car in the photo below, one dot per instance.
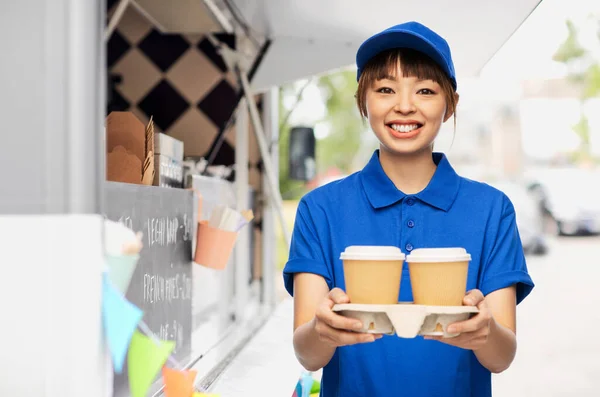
(570, 200)
(530, 219)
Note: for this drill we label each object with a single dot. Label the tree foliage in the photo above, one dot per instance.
(341, 121)
(584, 70)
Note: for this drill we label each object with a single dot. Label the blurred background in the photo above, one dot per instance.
(82, 81)
(529, 125)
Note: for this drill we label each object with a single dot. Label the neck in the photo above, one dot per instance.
(409, 173)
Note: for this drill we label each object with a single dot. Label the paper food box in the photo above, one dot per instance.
(129, 149)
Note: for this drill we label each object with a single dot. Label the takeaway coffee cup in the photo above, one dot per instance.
(438, 276)
(372, 274)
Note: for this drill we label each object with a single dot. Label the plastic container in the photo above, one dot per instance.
(213, 246)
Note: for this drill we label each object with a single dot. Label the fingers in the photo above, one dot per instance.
(343, 338)
(466, 340)
(480, 321)
(470, 341)
(473, 298)
(338, 330)
(463, 337)
(334, 320)
(338, 296)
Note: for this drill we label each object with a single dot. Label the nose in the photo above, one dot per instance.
(404, 103)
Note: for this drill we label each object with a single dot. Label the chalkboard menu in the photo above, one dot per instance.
(161, 285)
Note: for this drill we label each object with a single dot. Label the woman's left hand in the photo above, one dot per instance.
(474, 332)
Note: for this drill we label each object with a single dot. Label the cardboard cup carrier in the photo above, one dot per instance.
(438, 279)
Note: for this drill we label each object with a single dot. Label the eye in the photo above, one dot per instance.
(426, 91)
(385, 90)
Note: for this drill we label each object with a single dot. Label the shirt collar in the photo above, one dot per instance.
(381, 191)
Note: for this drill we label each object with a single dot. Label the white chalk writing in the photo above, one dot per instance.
(187, 228)
(172, 331)
(160, 289)
(162, 231)
(126, 221)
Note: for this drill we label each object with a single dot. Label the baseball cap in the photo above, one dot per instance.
(411, 35)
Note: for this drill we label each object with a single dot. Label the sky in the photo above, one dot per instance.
(526, 55)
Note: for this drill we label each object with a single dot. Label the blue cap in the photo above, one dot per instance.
(411, 35)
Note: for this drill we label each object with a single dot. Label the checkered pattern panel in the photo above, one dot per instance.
(183, 83)
(179, 80)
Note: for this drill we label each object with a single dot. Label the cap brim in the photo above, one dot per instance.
(400, 39)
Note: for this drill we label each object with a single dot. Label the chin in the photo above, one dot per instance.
(405, 148)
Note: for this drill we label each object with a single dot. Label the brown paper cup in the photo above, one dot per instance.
(372, 274)
(438, 276)
(213, 246)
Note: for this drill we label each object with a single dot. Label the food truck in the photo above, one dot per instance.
(154, 115)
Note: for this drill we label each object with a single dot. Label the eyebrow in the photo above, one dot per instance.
(393, 78)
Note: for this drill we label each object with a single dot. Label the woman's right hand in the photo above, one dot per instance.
(337, 330)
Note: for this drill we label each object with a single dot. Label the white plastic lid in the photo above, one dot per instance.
(372, 252)
(438, 255)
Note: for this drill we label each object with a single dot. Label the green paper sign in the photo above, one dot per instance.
(145, 358)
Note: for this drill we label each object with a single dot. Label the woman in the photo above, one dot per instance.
(406, 196)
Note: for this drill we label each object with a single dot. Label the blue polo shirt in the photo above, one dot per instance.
(367, 209)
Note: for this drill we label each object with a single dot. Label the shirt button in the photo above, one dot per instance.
(410, 201)
(409, 247)
(410, 223)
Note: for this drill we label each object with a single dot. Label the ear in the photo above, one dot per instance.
(449, 112)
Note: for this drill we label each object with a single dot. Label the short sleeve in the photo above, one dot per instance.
(306, 249)
(504, 262)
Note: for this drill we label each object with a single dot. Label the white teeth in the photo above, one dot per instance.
(404, 127)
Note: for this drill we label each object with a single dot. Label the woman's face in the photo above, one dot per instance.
(406, 113)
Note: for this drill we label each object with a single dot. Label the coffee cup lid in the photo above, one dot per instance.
(438, 255)
(372, 252)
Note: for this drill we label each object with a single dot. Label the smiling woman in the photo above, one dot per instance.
(407, 197)
(414, 64)
(406, 96)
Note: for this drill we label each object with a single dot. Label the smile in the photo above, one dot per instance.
(404, 131)
(404, 127)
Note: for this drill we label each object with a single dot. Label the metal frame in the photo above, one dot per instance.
(271, 116)
(218, 141)
(242, 192)
(116, 18)
(233, 61)
(123, 4)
